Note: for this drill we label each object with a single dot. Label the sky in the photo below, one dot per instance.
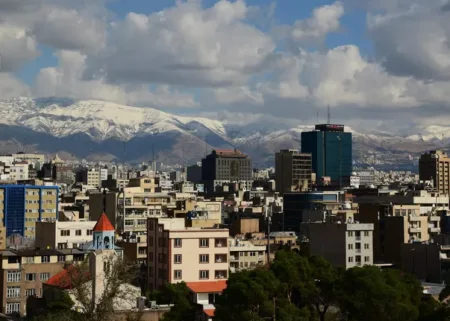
(378, 64)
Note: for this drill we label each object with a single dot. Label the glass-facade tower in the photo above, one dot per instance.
(331, 151)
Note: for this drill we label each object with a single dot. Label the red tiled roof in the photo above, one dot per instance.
(207, 287)
(64, 278)
(103, 224)
(209, 312)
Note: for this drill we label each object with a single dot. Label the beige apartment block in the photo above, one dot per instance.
(145, 184)
(343, 244)
(177, 253)
(24, 271)
(292, 170)
(63, 235)
(244, 255)
(435, 166)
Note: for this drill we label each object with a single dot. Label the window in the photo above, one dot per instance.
(89, 232)
(13, 276)
(65, 232)
(177, 274)
(366, 246)
(30, 277)
(350, 246)
(350, 234)
(141, 222)
(178, 243)
(12, 307)
(29, 259)
(350, 259)
(142, 250)
(204, 274)
(177, 258)
(204, 243)
(366, 233)
(78, 232)
(366, 259)
(44, 276)
(252, 253)
(62, 246)
(45, 259)
(221, 274)
(13, 292)
(204, 258)
(358, 259)
(30, 292)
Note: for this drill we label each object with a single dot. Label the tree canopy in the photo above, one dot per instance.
(301, 288)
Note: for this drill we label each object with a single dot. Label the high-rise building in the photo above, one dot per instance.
(435, 166)
(21, 206)
(331, 150)
(225, 166)
(292, 170)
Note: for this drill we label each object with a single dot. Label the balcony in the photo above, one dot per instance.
(220, 274)
(434, 218)
(414, 229)
(358, 250)
(220, 242)
(434, 229)
(414, 218)
(234, 258)
(260, 258)
(220, 258)
(358, 238)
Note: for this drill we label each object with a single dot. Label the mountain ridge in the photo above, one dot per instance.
(99, 126)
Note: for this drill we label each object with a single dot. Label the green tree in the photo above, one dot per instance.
(369, 293)
(178, 295)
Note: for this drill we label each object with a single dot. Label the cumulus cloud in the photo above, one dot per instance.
(16, 47)
(185, 45)
(11, 87)
(65, 80)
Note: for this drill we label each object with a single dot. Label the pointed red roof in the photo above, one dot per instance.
(103, 224)
(65, 278)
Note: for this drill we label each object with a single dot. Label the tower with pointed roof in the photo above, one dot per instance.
(103, 234)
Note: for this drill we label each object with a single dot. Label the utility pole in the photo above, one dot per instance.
(268, 215)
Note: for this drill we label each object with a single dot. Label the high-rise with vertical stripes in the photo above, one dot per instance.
(21, 206)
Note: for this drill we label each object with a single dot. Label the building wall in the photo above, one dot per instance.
(292, 168)
(342, 244)
(37, 268)
(23, 206)
(96, 206)
(60, 235)
(435, 165)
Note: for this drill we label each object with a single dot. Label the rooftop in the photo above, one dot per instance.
(103, 224)
(207, 287)
(40, 252)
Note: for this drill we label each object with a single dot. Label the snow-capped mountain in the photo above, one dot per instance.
(109, 130)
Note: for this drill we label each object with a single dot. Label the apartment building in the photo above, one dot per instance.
(91, 177)
(244, 255)
(435, 166)
(19, 171)
(63, 235)
(144, 184)
(177, 253)
(344, 245)
(21, 206)
(23, 272)
(139, 207)
(134, 248)
(292, 170)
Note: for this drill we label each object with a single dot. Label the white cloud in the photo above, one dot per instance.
(185, 45)
(11, 87)
(65, 80)
(323, 21)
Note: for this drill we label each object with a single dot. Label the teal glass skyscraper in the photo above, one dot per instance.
(331, 151)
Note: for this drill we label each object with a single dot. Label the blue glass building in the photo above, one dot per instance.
(23, 205)
(331, 151)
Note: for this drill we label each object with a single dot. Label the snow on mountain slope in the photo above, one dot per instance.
(98, 119)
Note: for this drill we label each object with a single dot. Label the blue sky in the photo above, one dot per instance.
(280, 61)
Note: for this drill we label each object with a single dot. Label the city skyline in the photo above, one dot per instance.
(186, 57)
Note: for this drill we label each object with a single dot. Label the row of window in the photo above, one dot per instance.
(204, 243)
(358, 246)
(203, 258)
(203, 274)
(357, 259)
(12, 307)
(16, 276)
(14, 291)
(357, 233)
(77, 232)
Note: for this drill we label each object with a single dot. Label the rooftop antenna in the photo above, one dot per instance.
(329, 114)
(317, 117)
